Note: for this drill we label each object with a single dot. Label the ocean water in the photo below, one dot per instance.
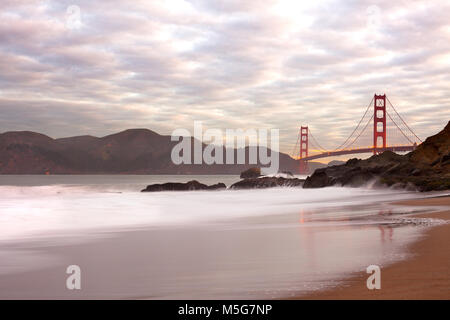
(268, 243)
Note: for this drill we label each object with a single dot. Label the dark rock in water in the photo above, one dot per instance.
(350, 174)
(427, 168)
(251, 173)
(267, 182)
(216, 186)
(319, 179)
(287, 173)
(188, 186)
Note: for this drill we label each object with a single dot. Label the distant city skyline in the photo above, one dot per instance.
(71, 68)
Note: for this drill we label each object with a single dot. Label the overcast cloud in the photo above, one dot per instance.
(231, 64)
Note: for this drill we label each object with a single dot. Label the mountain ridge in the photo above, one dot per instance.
(131, 151)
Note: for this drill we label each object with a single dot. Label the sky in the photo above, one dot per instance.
(98, 67)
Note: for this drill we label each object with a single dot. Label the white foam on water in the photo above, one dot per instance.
(32, 210)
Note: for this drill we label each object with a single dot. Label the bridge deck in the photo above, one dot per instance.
(360, 150)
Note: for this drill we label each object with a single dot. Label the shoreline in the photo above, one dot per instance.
(424, 275)
(134, 265)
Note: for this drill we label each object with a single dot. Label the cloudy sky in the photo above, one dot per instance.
(98, 67)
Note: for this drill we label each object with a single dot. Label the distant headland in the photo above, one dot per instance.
(133, 151)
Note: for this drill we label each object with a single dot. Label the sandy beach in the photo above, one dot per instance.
(130, 245)
(276, 243)
(426, 275)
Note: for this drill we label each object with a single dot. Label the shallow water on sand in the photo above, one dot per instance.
(216, 244)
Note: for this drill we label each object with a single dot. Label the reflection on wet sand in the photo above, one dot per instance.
(247, 244)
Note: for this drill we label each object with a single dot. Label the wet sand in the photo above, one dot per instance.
(262, 257)
(426, 275)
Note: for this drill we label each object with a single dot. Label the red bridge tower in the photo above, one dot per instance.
(303, 149)
(379, 122)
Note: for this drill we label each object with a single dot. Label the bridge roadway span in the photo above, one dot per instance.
(359, 150)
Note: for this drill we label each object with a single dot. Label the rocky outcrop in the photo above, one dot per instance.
(426, 168)
(251, 173)
(178, 186)
(434, 151)
(335, 163)
(355, 172)
(267, 182)
(287, 173)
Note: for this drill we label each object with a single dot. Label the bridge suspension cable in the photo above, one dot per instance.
(399, 128)
(402, 120)
(356, 128)
(359, 135)
(316, 143)
(294, 153)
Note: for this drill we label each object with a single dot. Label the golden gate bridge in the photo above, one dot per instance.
(394, 135)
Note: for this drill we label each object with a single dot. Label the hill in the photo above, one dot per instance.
(133, 151)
